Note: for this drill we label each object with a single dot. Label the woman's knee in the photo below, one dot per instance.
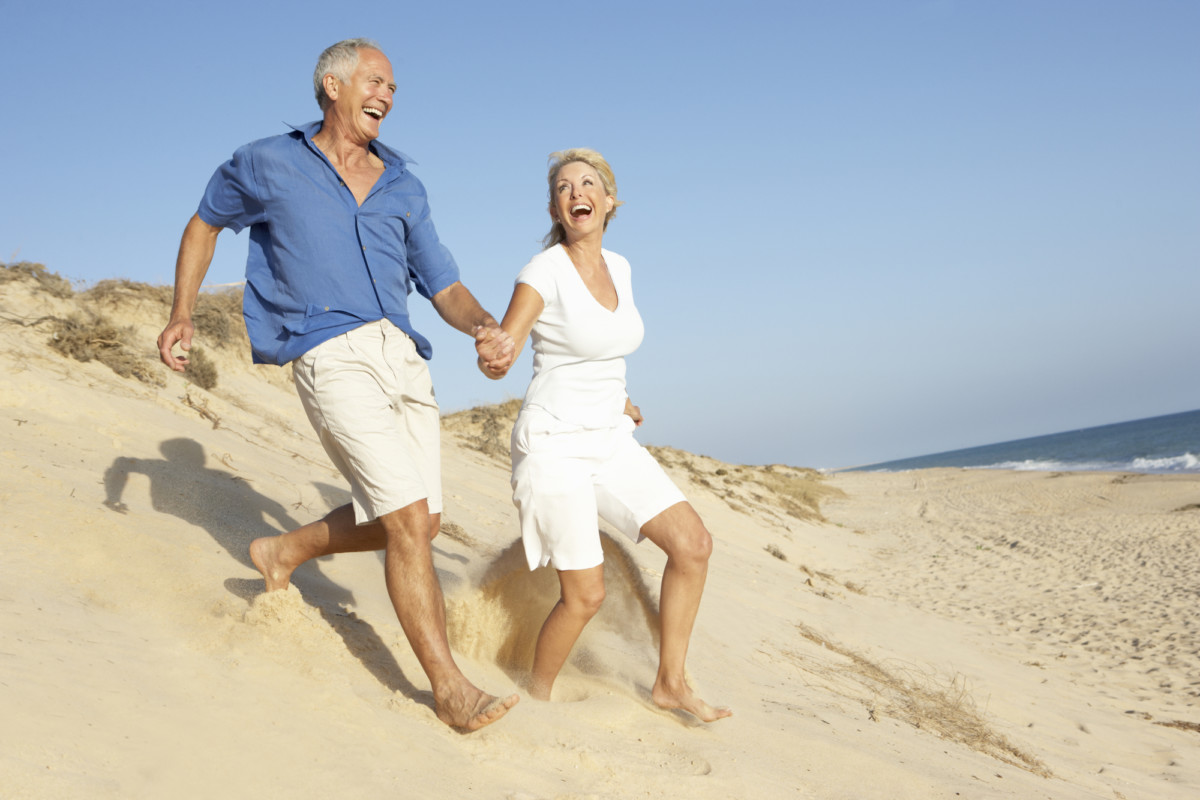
(584, 598)
(698, 544)
(690, 543)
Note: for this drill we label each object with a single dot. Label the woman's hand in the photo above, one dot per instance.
(496, 350)
(634, 412)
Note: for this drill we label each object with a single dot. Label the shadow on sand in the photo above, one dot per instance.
(234, 514)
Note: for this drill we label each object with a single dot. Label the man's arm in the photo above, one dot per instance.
(459, 308)
(195, 255)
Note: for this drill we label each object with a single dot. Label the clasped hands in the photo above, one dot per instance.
(496, 350)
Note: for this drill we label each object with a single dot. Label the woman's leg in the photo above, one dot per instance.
(681, 534)
(582, 594)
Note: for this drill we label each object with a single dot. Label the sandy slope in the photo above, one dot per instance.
(943, 634)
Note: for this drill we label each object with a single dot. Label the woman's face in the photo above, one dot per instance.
(579, 201)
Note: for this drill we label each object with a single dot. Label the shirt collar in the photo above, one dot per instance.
(390, 157)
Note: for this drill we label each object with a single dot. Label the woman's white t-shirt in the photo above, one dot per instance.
(579, 346)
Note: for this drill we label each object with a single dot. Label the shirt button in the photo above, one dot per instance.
(326, 308)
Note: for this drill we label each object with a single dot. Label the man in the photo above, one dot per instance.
(339, 231)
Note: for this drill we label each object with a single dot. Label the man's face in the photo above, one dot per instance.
(361, 103)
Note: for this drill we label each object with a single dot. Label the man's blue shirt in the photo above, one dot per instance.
(320, 264)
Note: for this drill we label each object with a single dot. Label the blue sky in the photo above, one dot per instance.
(860, 231)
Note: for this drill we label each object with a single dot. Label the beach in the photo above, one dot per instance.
(928, 634)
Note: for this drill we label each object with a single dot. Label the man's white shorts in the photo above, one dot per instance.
(370, 399)
(564, 476)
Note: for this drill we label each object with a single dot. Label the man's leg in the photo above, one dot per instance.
(276, 557)
(416, 595)
(374, 410)
(412, 585)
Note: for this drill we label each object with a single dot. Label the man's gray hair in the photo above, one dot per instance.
(338, 60)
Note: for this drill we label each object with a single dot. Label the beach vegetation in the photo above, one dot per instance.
(114, 292)
(942, 707)
(85, 329)
(49, 282)
(201, 369)
(1181, 725)
(86, 336)
(486, 428)
(778, 490)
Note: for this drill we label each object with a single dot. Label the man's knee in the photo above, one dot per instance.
(409, 526)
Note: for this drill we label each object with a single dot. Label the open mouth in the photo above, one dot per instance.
(373, 112)
(580, 211)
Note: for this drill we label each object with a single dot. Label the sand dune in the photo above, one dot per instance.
(936, 634)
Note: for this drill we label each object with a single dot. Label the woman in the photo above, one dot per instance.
(573, 449)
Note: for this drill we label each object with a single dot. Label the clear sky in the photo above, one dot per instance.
(859, 231)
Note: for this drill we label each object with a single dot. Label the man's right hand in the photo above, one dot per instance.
(195, 254)
(495, 348)
(177, 331)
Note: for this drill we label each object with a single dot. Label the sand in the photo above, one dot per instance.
(932, 634)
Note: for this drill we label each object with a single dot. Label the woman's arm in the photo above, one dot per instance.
(459, 308)
(524, 309)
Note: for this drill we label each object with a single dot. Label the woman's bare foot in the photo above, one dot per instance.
(686, 700)
(538, 690)
(266, 555)
(458, 712)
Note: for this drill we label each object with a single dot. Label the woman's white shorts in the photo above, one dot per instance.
(369, 397)
(564, 476)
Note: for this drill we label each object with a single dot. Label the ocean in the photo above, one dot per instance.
(1160, 444)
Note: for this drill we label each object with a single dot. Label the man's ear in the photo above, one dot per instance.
(330, 84)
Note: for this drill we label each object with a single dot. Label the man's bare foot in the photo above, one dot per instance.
(485, 710)
(266, 557)
(686, 700)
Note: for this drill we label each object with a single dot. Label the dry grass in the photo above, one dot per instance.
(201, 369)
(87, 336)
(115, 292)
(799, 490)
(917, 700)
(201, 408)
(51, 283)
(217, 317)
(795, 491)
(485, 428)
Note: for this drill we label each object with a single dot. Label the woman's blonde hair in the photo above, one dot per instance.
(594, 160)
